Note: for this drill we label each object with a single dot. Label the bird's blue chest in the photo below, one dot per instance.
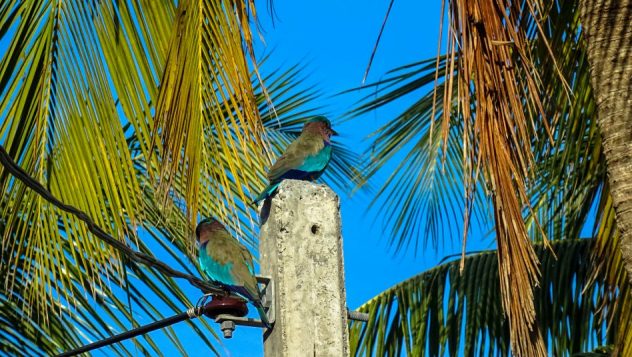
(214, 270)
(318, 161)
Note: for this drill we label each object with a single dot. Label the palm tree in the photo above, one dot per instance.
(510, 127)
(609, 40)
(121, 123)
(445, 312)
(144, 114)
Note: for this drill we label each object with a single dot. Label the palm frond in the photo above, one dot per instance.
(80, 85)
(570, 172)
(57, 116)
(447, 312)
(206, 108)
(436, 195)
(504, 82)
(74, 305)
(608, 266)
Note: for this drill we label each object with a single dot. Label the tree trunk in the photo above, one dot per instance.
(608, 29)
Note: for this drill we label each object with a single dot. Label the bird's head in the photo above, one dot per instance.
(204, 228)
(320, 125)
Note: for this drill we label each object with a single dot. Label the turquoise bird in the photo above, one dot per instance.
(305, 158)
(228, 263)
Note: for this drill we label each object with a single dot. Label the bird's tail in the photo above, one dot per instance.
(267, 192)
(262, 313)
(253, 297)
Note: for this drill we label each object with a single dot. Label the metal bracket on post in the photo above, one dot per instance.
(268, 296)
(228, 323)
(357, 315)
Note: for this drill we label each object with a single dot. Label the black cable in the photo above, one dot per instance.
(134, 256)
(194, 312)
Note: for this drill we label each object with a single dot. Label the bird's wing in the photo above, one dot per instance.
(220, 248)
(214, 270)
(295, 155)
(243, 270)
(246, 258)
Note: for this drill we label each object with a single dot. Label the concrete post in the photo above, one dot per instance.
(301, 249)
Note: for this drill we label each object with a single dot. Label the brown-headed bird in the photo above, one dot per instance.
(228, 263)
(305, 158)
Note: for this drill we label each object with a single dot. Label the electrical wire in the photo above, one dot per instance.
(134, 256)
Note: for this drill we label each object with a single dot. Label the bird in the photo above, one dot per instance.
(306, 158)
(228, 263)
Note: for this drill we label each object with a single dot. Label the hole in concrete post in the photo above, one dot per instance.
(315, 229)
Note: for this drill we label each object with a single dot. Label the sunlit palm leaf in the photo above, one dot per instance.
(79, 85)
(206, 86)
(443, 311)
(78, 318)
(57, 115)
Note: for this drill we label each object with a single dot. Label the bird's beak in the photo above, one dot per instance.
(333, 132)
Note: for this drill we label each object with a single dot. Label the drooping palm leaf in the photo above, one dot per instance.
(570, 172)
(206, 88)
(608, 266)
(510, 143)
(443, 311)
(74, 305)
(499, 97)
(436, 196)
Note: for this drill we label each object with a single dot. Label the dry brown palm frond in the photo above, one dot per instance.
(497, 86)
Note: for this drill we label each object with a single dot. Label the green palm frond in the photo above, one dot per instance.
(96, 312)
(608, 266)
(81, 84)
(56, 109)
(445, 312)
(436, 195)
(206, 113)
(570, 172)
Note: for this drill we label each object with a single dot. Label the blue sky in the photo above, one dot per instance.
(335, 40)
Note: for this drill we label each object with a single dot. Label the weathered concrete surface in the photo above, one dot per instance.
(301, 249)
